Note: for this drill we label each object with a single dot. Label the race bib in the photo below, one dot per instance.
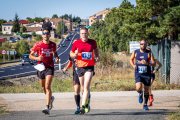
(86, 55)
(142, 69)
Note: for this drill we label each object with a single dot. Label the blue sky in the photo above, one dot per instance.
(46, 8)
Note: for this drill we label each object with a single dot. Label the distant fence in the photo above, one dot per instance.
(168, 53)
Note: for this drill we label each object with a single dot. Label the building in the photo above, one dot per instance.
(98, 16)
(34, 27)
(85, 22)
(56, 21)
(7, 27)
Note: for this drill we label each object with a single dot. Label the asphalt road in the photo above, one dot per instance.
(120, 105)
(28, 69)
(93, 115)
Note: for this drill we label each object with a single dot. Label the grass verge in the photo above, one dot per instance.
(3, 110)
(104, 83)
(174, 116)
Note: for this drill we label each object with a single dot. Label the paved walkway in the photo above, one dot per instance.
(164, 99)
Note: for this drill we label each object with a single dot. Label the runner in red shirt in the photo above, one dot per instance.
(45, 50)
(86, 53)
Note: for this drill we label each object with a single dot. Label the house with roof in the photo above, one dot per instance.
(56, 21)
(7, 27)
(98, 16)
(34, 27)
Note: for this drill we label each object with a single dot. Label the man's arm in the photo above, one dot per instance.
(132, 60)
(32, 57)
(56, 57)
(152, 59)
(67, 66)
(96, 52)
(74, 54)
(159, 66)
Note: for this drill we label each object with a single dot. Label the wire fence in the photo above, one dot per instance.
(168, 53)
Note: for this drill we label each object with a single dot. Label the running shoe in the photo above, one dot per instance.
(151, 98)
(82, 111)
(140, 98)
(150, 104)
(46, 111)
(51, 103)
(145, 107)
(77, 111)
(87, 108)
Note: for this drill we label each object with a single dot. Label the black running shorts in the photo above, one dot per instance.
(82, 70)
(44, 73)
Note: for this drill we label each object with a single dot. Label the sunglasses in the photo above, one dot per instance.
(45, 33)
(142, 43)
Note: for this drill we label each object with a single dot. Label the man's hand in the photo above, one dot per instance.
(134, 66)
(64, 70)
(76, 53)
(143, 62)
(57, 60)
(39, 58)
(97, 59)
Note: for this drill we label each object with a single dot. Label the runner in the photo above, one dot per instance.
(76, 83)
(142, 69)
(86, 53)
(45, 50)
(158, 65)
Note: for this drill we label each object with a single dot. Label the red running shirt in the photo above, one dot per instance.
(85, 52)
(46, 50)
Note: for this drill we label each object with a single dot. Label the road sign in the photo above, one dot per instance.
(3, 52)
(11, 52)
(133, 46)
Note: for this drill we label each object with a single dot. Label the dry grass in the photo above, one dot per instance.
(3, 109)
(174, 116)
(115, 74)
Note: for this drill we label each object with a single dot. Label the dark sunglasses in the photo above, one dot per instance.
(142, 43)
(45, 33)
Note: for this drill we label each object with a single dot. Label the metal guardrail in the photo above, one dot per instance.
(1, 63)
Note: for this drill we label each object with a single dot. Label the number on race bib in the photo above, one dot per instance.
(86, 55)
(142, 69)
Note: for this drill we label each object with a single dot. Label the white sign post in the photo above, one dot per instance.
(3, 52)
(134, 45)
(59, 65)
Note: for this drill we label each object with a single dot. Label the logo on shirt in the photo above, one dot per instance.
(46, 52)
(142, 57)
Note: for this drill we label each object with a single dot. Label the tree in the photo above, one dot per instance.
(76, 19)
(1, 22)
(23, 29)
(22, 47)
(34, 34)
(16, 25)
(30, 20)
(61, 29)
(65, 16)
(150, 19)
(38, 19)
(55, 16)
(5, 46)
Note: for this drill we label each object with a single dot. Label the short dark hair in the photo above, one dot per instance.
(46, 28)
(83, 28)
